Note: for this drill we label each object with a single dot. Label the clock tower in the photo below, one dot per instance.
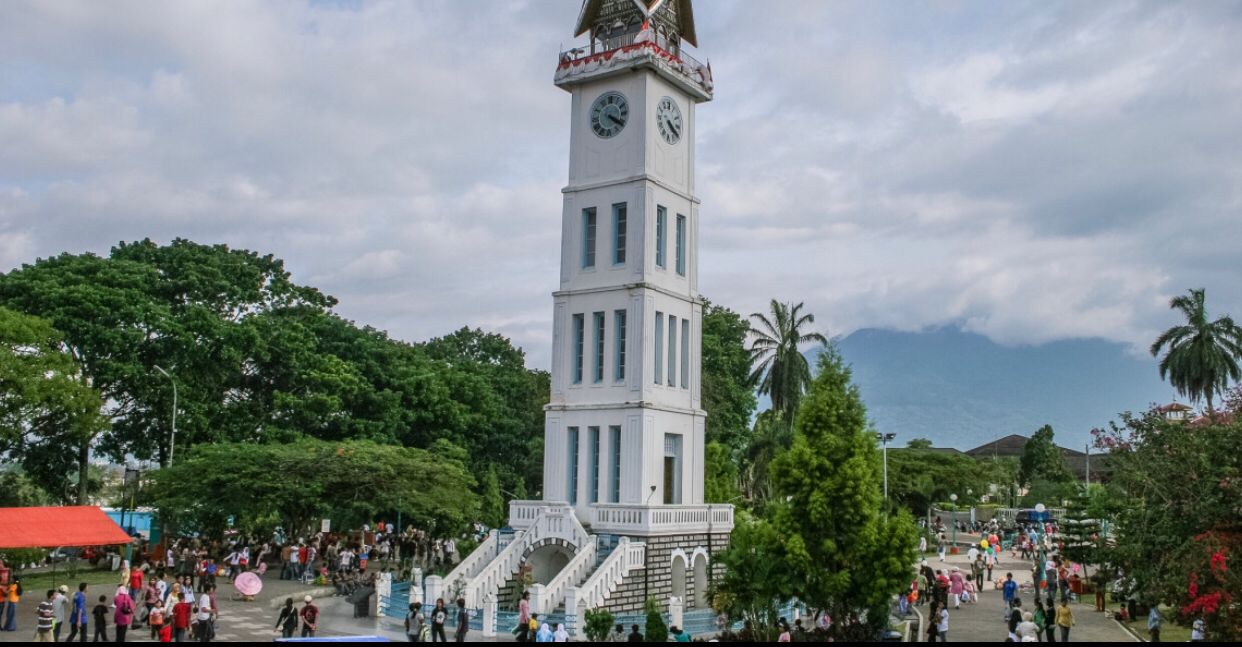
(623, 517)
(625, 425)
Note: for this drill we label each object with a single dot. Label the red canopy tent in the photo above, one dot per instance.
(55, 527)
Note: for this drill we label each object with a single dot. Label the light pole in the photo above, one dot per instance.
(885, 439)
(172, 440)
(953, 498)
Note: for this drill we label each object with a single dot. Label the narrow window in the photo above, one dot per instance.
(619, 315)
(659, 347)
(598, 331)
(579, 324)
(618, 234)
(661, 226)
(573, 465)
(588, 237)
(685, 353)
(615, 495)
(681, 245)
(672, 350)
(593, 440)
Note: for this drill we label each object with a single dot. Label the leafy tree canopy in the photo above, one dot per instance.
(350, 482)
(1041, 458)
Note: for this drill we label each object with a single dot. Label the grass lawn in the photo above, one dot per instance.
(35, 583)
(1170, 632)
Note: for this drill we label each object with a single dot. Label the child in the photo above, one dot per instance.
(971, 592)
(156, 620)
(166, 635)
(100, 612)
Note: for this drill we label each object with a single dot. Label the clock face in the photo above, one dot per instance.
(668, 117)
(609, 114)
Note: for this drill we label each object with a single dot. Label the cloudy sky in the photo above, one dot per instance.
(1030, 171)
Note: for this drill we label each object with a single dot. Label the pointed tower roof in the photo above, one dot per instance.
(678, 13)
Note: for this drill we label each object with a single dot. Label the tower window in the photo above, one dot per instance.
(681, 245)
(598, 330)
(661, 237)
(588, 237)
(672, 350)
(579, 332)
(619, 340)
(615, 495)
(573, 465)
(659, 347)
(618, 233)
(685, 353)
(593, 440)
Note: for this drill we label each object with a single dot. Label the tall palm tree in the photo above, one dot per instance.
(1202, 356)
(780, 369)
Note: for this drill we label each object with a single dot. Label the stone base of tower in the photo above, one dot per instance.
(682, 566)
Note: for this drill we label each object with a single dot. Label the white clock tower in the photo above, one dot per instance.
(624, 425)
(623, 517)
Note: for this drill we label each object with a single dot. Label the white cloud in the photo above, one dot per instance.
(1033, 171)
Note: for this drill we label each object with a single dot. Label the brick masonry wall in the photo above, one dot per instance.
(657, 579)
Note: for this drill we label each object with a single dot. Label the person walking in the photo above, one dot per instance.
(204, 629)
(942, 624)
(287, 623)
(10, 612)
(1027, 630)
(310, 617)
(415, 623)
(933, 623)
(523, 628)
(100, 614)
(182, 612)
(46, 614)
(1009, 592)
(78, 615)
(1065, 619)
(439, 616)
(123, 617)
(60, 611)
(463, 621)
(1153, 623)
(957, 586)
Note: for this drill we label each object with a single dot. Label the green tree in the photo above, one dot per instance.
(1202, 356)
(1041, 458)
(656, 630)
(844, 554)
(350, 482)
(1179, 533)
(780, 370)
(919, 443)
(48, 415)
(917, 478)
(756, 580)
(727, 394)
(720, 475)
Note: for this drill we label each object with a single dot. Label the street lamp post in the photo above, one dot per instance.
(953, 498)
(885, 439)
(172, 440)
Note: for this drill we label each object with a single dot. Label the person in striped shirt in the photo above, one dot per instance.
(47, 619)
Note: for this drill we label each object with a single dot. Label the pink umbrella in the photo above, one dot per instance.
(248, 584)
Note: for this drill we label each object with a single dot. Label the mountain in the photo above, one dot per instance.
(961, 389)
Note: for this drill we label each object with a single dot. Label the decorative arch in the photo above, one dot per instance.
(677, 572)
(546, 557)
(700, 562)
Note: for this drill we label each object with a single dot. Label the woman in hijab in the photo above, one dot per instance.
(544, 635)
(561, 636)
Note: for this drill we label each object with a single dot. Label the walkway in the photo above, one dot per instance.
(985, 621)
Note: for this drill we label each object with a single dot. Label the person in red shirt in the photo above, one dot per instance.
(310, 618)
(135, 584)
(181, 618)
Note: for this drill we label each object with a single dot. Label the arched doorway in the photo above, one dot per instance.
(700, 600)
(547, 560)
(678, 574)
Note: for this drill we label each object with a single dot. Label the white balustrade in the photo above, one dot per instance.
(572, 573)
(555, 521)
(476, 561)
(592, 593)
(666, 519)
